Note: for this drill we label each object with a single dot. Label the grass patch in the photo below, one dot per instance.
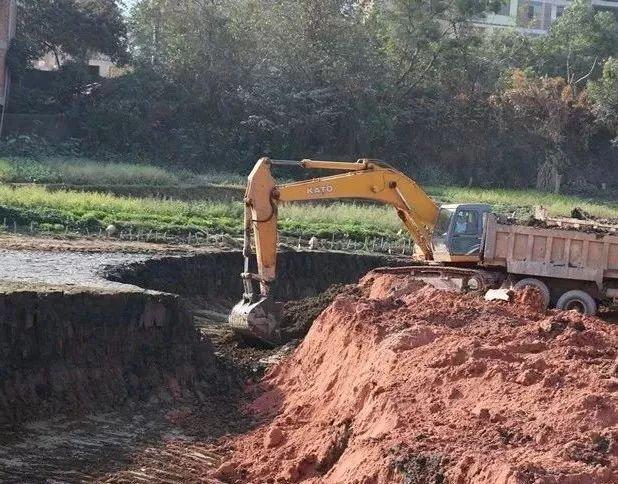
(79, 171)
(88, 172)
(522, 202)
(60, 210)
(352, 220)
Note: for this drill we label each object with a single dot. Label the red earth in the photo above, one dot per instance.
(405, 383)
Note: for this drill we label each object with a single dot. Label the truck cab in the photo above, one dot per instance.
(458, 232)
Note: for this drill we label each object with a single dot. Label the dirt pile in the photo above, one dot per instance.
(298, 315)
(409, 384)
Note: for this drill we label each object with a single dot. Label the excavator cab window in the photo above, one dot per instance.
(466, 229)
(442, 229)
(459, 229)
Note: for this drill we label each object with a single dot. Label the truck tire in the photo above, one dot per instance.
(579, 300)
(538, 284)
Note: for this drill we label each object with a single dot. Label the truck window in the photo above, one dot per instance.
(441, 230)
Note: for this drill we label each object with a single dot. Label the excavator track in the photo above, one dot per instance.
(458, 279)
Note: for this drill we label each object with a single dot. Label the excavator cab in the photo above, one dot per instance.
(458, 232)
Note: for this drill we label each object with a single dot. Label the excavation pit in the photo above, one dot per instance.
(216, 275)
(125, 331)
(110, 350)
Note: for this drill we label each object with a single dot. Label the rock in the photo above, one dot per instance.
(226, 469)
(111, 230)
(528, 377)
(274, 438)
(498, 295)
(313, 243)
(481, 412)
(455, 394)
(552, 325)
(410, 338)
(577, 325)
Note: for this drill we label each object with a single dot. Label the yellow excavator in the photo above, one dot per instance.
(447, 237)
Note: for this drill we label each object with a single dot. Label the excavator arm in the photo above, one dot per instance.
(365, 179)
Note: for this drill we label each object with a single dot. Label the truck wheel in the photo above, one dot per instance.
(581, 301)
(538, 284)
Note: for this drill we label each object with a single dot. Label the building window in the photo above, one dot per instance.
(559, 10)
(534, 10)
(505, 9)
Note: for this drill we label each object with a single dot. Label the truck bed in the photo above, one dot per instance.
(556, 253)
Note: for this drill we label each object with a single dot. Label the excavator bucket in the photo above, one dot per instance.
(256, 321)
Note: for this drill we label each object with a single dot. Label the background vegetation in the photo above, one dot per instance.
(80, 171)
(214, 85)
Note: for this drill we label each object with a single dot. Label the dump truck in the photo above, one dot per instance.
(463, 247)
(573, 267)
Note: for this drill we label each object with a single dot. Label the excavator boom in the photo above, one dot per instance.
(256, 314)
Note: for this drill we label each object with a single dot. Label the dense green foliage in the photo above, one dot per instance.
(73, 28)
(216, 84)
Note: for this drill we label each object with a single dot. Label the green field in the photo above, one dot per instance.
(64, 210)
(88, 172)
(522, 202)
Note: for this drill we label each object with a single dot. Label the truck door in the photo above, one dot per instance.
(467, 228)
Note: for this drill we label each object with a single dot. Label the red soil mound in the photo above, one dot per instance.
(410, 384)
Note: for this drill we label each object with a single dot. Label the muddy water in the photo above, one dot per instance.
(62, 268)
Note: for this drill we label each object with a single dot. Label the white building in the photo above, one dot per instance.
(100, 63)
(535, 16)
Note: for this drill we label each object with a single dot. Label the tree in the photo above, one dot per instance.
(75, 28)
(578, 43)
(421, 37)
(550, 110)
(604, 95)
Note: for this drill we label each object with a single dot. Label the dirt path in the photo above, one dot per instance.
(20, 242)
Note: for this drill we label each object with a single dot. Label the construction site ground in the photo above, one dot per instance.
(394, 383)
(85, 445)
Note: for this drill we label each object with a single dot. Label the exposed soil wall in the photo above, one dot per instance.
(74, 350)
(69, 351)
(217, 275)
